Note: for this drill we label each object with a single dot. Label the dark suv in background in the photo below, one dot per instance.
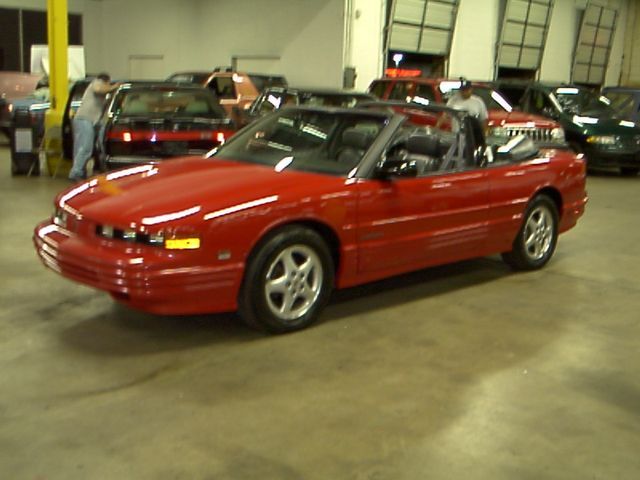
(592, 126)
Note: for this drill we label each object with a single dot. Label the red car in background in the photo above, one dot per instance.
(503, 120)
(306, 200)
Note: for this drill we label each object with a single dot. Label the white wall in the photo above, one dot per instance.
(364, 40)
(614, 70)
(474, 40)
(557, 59)
(306, 34)
(121, 29)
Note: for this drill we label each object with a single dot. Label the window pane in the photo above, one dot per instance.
(538, 14)
(599, 56)
(596, 75)
(439, 15)
(509, 56)
(529, 58)
(534, 36)
(517, 10)
(608, 18)
(580, 73)
(434, 41)
(409, 11)
(404, 38)
(513, 33)
(604, 37)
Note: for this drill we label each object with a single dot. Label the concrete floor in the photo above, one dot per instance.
(463, 372)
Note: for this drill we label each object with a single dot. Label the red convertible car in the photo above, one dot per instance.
(306, 200)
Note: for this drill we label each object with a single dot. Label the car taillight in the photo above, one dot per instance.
(126, 136)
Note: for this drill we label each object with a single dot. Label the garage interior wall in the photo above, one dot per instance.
(312, 40)
(363, 40)
(304, 36)
(631, 60)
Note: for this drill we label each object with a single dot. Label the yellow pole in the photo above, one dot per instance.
(57, 28)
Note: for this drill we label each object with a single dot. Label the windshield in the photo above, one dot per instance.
(623, 103)
(273, 100)
(492, 99)
(166, 102)
(580, 101)
(198, 78)
(307, 140)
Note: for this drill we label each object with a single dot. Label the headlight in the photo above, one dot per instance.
(60, 217)
(557, 134)
(602, 139)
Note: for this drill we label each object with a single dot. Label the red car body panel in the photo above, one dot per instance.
(496, 117)
(380, 227)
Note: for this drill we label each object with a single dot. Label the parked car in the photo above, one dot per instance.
(147, 122)
(14, 85)
(304, 200)
(625, 101)
(274, 98)
(235, 90)
(504, 120)
(591, 125)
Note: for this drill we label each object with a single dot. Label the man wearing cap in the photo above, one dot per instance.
(464, 99)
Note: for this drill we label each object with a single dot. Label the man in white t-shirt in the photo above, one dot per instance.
(464, 99)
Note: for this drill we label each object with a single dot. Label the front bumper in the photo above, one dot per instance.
(599, 157)
(139, 277)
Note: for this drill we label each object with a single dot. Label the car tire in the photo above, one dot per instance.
(287, 282)
(536, 241)
(629, 171)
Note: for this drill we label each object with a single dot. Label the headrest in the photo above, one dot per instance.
(355, 138)
(424, 145)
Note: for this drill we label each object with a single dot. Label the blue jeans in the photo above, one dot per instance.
(83, 136)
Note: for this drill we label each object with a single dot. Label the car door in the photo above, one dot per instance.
(409, 223)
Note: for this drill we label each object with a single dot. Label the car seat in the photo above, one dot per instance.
(425, 150)
(354, 145)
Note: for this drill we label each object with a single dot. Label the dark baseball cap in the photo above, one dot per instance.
(464, 84)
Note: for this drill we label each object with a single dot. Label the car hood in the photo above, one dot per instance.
(188, 189)
(604, 126)
(500, 118)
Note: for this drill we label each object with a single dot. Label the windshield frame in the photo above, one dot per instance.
(249, 134)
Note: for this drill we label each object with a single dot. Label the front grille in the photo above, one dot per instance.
(132, 236)
(536, 134)
(631, 142)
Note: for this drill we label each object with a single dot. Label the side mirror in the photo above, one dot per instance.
(396, 167)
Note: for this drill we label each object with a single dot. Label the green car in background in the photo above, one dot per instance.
(592, 126)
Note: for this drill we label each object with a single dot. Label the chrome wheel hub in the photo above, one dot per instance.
(293, 282)
(538, 233)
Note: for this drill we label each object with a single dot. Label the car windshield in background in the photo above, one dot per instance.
(332, 100)
(166, 102)
(270, 101)
(579, 101)
(491, 98)
(198, 78)
(622, 103)
(261, 81)
(322, 142)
